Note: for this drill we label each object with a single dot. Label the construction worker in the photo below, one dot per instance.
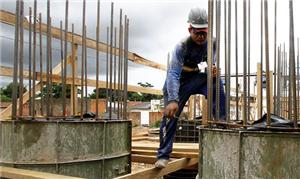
(185, 79)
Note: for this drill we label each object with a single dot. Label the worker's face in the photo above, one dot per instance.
(198, 36)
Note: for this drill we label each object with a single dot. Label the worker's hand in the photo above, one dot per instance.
(214, 71)
(171, 109)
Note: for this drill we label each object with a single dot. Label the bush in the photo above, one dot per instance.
(156, 124)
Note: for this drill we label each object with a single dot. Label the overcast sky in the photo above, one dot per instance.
(155, 28)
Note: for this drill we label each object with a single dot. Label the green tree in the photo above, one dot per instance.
(57, 91)
(6, 92)
(131, 96)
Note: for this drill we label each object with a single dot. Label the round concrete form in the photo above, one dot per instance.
(82, 148)
(248, 154)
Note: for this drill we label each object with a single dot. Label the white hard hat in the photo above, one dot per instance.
(198, 18)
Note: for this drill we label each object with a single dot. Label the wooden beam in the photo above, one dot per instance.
(174, 154)
(177, 147)
(15, 173)
(7, 71)
(259, 94)
(9, 18)
(155, 173)
(143, 158)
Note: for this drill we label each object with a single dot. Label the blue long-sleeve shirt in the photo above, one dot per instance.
(186, 53)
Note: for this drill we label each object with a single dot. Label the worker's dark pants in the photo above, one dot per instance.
(189, 85)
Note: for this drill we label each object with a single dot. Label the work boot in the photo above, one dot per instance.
(161, 163)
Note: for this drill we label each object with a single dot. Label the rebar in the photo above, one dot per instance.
(126, 43)
(97, 57)
(34, 59)
(119, 67)
(51, 73)
(275, 59)
(228, 84)
(260, 111)
(115, 68)
(74, 89)
(210, 60)
(226, 59)
(248, 62)
(218, 33)
(82, 60)
(279, 76)
(29, 60)
(236, 64)
(293, 66)
(62, 63)
(65, 59)
(244, 63)
(48, 60)
(21, 58)
(85, 71)
(111, 59)
(41, 65)
(107, 72)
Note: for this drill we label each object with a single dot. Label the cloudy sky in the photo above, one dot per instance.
(155, 27)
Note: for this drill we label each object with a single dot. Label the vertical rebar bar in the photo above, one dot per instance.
(29, 60)
(278, 90)
(48, 60)
(267, 63)
(21, 58)
(236, 64)
(62, 62)
(115, 68)
(107, 69)
(16, 52)
(74, 60)
(260, 111)
(210, 60)
(41, 65)
(85, 71)
(111, 58)
(226, 58)
(244, 63)
(293, 66)
(97, 57)
(34, 59)
(50, 67)
(119, 66)
(228, 84)
(218, 33)
(82, 60)
(248, 61)
(126, 42)
(298, 71)
(65, 59)
(275, 60)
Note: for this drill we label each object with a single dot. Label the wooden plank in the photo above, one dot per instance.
(178, 147)
(174, 154)
(9, 18)
(140, 138)
(155, 173)
(259, 94)
(7, 71)
(15, 173)
(143, 158)
(271, 92)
